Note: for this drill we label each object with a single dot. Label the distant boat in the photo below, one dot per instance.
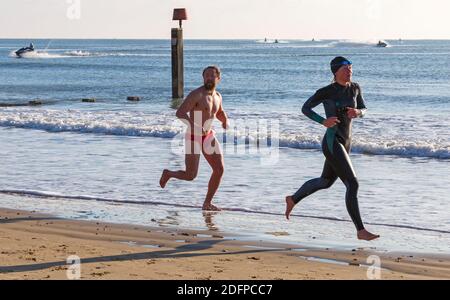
(382, 44)
(276, 42)
(22, 51)
(265, 40)
(313, 40)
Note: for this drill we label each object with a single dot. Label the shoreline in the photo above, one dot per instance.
(302, 231)
(36, 246)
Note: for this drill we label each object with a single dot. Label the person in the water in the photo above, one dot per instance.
(343, 101)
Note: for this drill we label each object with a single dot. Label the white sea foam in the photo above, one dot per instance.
(354, 43)
(80, 54)
(163, 126)
(41, 55)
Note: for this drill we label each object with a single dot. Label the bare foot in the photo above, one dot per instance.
(210, 207)
(367, 236)
(164, 178)
(289, 206)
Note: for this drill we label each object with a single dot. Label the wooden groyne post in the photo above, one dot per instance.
(179, 14)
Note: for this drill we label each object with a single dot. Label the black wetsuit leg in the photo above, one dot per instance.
(325, 181)
(340, 161)
(337, 164)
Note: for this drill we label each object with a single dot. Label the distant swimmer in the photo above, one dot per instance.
(198, 112)
(342, 101)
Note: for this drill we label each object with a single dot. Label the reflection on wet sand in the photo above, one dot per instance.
(208, 216)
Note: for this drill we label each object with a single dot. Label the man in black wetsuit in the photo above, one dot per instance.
(343, 102)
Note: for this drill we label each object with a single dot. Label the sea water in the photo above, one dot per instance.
(103, 160)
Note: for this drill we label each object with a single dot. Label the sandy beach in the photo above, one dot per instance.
(36, 246)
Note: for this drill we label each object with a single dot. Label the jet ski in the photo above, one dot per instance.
(22, 51)
(382, 44)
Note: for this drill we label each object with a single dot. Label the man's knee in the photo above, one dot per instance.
(191, 175)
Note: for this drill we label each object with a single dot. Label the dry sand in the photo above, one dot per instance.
(36, 246)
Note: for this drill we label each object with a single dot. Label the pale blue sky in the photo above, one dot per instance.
(240, 19)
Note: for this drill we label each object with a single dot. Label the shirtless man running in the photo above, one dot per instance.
(198, 112)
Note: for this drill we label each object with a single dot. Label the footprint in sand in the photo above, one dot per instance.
(100, 274)
(279, 233)
(253, 258)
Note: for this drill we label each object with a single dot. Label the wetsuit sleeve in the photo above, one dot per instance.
(360, 102)
(312, 102)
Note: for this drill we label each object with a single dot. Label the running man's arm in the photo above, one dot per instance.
(221, 115)
(184, 109)
(312, 102)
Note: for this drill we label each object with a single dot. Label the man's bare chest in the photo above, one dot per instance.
(208, 104)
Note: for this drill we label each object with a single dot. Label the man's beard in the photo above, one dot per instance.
(210, 85)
